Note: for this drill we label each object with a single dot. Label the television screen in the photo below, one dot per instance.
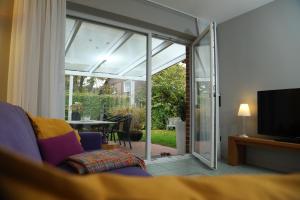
(279, 112)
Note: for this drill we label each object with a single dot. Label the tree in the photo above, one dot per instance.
(168, 89)
(81, 83)
(91, 82)
(75, 86)
(106, 88)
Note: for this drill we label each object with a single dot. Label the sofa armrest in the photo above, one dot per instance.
(91, 140)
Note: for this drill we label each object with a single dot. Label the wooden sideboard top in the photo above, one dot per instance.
(256, 141)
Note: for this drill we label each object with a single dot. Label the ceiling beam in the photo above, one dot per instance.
(168, 64)
(113, 48)
(103, 75)
(142, 59)
(73, 34)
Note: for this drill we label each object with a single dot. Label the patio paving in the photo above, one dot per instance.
(138, 148)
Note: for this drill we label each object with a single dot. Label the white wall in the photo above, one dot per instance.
(259, 50)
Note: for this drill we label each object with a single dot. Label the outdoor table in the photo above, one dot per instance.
(90, 122)
(97, 123)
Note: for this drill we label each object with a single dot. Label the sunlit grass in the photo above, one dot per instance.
(162, 137)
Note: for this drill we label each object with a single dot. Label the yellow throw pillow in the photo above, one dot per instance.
(50, 127)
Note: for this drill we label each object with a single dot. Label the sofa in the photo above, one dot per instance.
(17, 135)
(36, 181)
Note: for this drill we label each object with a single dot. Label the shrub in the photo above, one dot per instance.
(138, 115)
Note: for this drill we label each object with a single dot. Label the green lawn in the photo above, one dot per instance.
(162, 137)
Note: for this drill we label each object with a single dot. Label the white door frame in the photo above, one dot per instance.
(215, 94)
(148, 97)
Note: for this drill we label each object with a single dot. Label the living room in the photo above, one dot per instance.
(257, 50)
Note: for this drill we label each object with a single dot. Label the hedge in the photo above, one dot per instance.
(94, 104)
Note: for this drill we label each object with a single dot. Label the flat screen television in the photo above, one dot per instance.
(279, 113)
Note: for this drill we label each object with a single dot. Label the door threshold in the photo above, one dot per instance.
(168, 159)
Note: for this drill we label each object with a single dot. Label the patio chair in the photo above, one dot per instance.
(171, 123)
(124, 130)
(114, 127)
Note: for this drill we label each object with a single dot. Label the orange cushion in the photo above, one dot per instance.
(50, 127)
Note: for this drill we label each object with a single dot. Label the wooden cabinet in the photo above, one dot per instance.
(237, 151)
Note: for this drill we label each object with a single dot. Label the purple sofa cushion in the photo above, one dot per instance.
(91, 140)
(130, 171)
(56, 149)
(16, 133)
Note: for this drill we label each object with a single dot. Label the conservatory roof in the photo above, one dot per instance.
(108, 52)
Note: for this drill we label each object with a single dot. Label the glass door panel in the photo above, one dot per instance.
(204, 98)
(97, 58)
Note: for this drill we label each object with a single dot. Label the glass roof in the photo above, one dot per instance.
(108, 52)
(125, 55)
(169, 56)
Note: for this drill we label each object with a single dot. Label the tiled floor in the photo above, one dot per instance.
(191, 166)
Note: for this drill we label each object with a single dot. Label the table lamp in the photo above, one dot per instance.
(244, 112)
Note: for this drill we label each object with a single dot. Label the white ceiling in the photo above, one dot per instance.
(215, 10)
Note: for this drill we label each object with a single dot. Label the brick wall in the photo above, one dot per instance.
(187, 99)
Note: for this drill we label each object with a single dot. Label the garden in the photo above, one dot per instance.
(98, 98)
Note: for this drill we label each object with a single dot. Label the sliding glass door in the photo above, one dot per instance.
(110, 72)
(204, 98)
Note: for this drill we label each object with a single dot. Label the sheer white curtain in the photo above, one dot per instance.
(36, 67)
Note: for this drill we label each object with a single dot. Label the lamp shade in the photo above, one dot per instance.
(244, 110)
